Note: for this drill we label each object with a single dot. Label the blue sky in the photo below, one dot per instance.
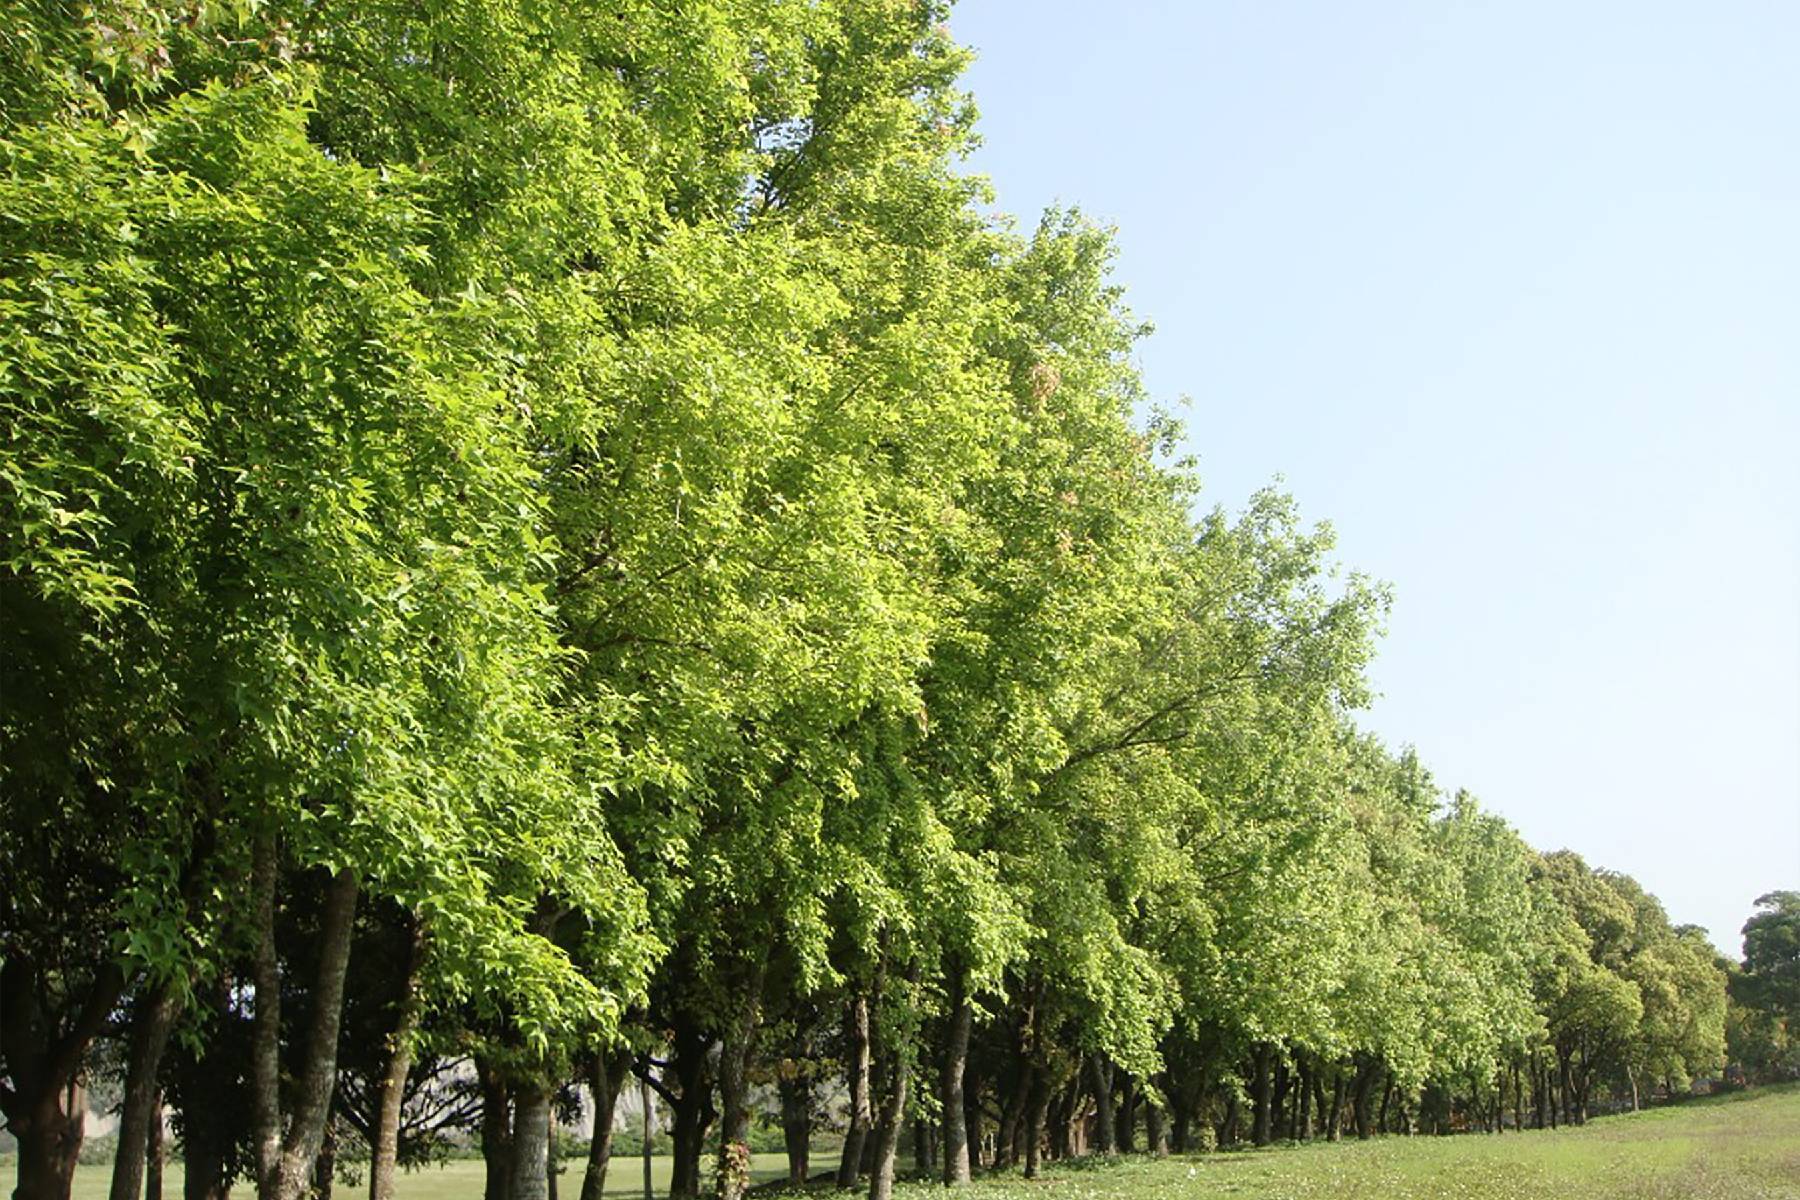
(1509, 294)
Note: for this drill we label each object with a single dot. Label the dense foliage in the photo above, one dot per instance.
(557, 543)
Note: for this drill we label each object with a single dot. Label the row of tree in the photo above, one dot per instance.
(561, 538)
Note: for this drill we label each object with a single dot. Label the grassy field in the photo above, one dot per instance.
(457, 1180)
(1741, 1147)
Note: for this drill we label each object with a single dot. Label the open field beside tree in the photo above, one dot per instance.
(1741, 1146)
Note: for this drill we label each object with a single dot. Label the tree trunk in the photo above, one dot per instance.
(142, 1105)
(887, 1133)
(529, 1176)
(796, 1125)
(694, 1112)
(1037, 1100)
(285, 1162)
(733, 1177)
(856, 1036)
(1261, 1125)
(606, 1074)
(1365, 1082)
(390, 1090)
(265, 1038)
(496, 1130)
(1156, 1132)
(647, 1097)
(950, 1084)
(1100, 1079)
(324, 1168)
(1125, 1124)
(155, 1152)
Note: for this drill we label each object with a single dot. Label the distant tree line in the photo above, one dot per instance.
(562, 539)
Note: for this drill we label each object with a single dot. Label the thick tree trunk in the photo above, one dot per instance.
(1261, 1124)
(529, 1176)
(733, 1175)
(1365, 1082)
(1156, 1131)
(1100, 1080)
(142, 1104)
(324, 1168)
(796, 1125)
(1037, 1101)
(496, 1130)
(1125, 1124)
(694, 1112)
(606, 1075)
(887, 1132)
(950, 1084)
(390, 1090)
(50, 1144)
(856, 1038)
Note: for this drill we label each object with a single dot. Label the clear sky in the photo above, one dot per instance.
(1510, 294)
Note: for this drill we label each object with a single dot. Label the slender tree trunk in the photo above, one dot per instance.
(647, 1096)
(316, 1080)
(856, 1036)
(142, 1105)
(1100, 1079)
(265, 1037)
(324, 1168)
(1335, 1128)
(155, 1152)
(529, 1176)
(606, 1074)
(950, 1083)
(390, 1090)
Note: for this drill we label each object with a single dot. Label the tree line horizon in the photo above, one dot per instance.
(563, 537)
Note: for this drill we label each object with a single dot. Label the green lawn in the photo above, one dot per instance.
(459, 1180)
(1741, 1147)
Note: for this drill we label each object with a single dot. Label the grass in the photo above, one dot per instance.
(1744, 1146)
(459, 1179)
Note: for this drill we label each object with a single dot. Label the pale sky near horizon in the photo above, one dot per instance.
(1509, 294)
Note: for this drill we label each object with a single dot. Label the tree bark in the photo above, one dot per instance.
(155, 1152)
(496, 1130)
(1261, 1125)
(265, 1037)
(796, 1125)
(887, 1133)
(317, 1078)
(694, 1111)
(606, 1074)
(1125, 1124)
(1365, 1081)
(856, 1037)
(950, 1084)
(1037, 1099)
(390, 1090)
(1100, 1079)
(142, 1105)
(1335, 1127)
(529, 1175)
(733, 1176)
